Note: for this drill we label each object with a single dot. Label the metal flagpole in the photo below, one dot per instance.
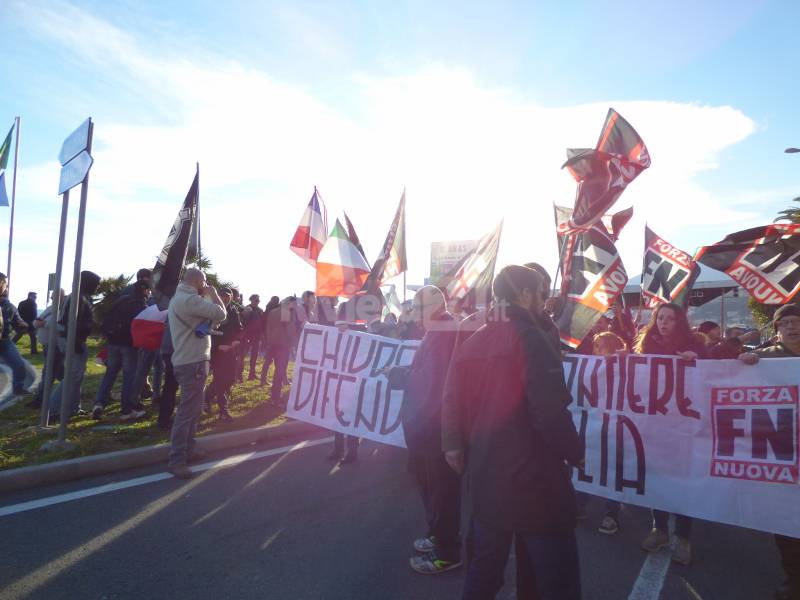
(13, 199)
(52, 348)
(74, 306)
(197, 215)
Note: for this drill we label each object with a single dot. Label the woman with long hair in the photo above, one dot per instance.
(669, 333)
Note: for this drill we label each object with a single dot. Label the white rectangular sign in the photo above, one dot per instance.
(713, 439)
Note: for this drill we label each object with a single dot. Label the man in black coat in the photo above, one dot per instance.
(28, 312)
(421, 414)
(507, 379)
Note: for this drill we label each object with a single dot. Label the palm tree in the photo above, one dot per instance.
(790, 214)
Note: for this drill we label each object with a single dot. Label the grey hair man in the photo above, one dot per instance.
(194, 309)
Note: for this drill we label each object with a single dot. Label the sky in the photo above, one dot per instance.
(469, 107)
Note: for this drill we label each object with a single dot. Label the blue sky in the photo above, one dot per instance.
(470, 106)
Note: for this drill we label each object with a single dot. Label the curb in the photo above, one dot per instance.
(110, 462)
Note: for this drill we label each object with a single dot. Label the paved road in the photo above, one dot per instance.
(291, 526)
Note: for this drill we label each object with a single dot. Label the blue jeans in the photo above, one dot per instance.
(78, 371)
(553, 558)
(10, 354)
(192, 380)
(158, 374)
(122, 358)
(145, 363)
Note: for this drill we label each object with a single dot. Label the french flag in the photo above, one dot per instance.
(311, 234)
(148, 327)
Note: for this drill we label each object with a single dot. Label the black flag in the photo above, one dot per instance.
(172, 259)
(765, 261)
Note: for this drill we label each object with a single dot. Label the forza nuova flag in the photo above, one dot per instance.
(765, 261)
(311, 234)
(392, 259)
(593, 276)
(172, 258)
(604, 172)
(668, 272)
(341, 268)
(612, 223)
(474, 272)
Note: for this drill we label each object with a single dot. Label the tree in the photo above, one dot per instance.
(109, 290)
(790, 214)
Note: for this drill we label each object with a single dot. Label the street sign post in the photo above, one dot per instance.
(76, 160)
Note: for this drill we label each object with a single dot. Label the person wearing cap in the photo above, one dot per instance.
(116, 328)
(223, 356)
(787, 327)
(28, 311)
(8, 349)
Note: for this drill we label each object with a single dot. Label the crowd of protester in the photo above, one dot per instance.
(484, 397)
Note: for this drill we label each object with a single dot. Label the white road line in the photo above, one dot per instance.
(231, 461)
(651, 577)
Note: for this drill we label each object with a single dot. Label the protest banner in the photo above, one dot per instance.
(336, 385)
(713, 439)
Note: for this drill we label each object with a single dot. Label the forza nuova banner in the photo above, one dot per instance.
(712, 439)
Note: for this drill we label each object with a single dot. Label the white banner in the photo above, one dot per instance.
(717, 440)
(335, 386)
(713, 439)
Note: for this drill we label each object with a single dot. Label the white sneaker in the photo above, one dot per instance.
(97, 412)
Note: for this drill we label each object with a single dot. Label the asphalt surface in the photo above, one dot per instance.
(292, 526)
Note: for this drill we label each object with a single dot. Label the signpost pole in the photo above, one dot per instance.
(52, 347)
(74, 306)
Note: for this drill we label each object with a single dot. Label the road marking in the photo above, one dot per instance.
(651, 577)
(231, 461)
(654, 570)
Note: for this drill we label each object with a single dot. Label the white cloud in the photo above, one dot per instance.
(467, 155)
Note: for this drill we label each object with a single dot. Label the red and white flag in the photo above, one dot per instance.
(341, 268)
(311, 234)
(148, 327)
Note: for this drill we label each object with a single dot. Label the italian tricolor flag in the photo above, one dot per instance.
(341, 268)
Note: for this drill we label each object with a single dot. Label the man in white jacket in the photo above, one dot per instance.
(194, 304)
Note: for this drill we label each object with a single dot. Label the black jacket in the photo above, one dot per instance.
(27, 310)
(421, 413)
(120, 317)
(508, 380)
(231, 329)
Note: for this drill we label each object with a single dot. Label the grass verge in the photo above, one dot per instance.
(21, 439)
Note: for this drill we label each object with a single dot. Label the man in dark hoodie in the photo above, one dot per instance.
(421, 414)
(83, 327)
(520, 438)
(122, 355)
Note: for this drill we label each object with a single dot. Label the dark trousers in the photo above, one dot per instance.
(145, 362)
(553, 560)
(440, 489)
(280, 355)
(339, 441)
(789, 549)
(683, 524)
(167, 404)
(525, 577)
(31, 331)
(254, 344)
(223, 369)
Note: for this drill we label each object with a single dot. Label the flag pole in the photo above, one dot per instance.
(404, 286)
(197, 216)
(13, 199)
